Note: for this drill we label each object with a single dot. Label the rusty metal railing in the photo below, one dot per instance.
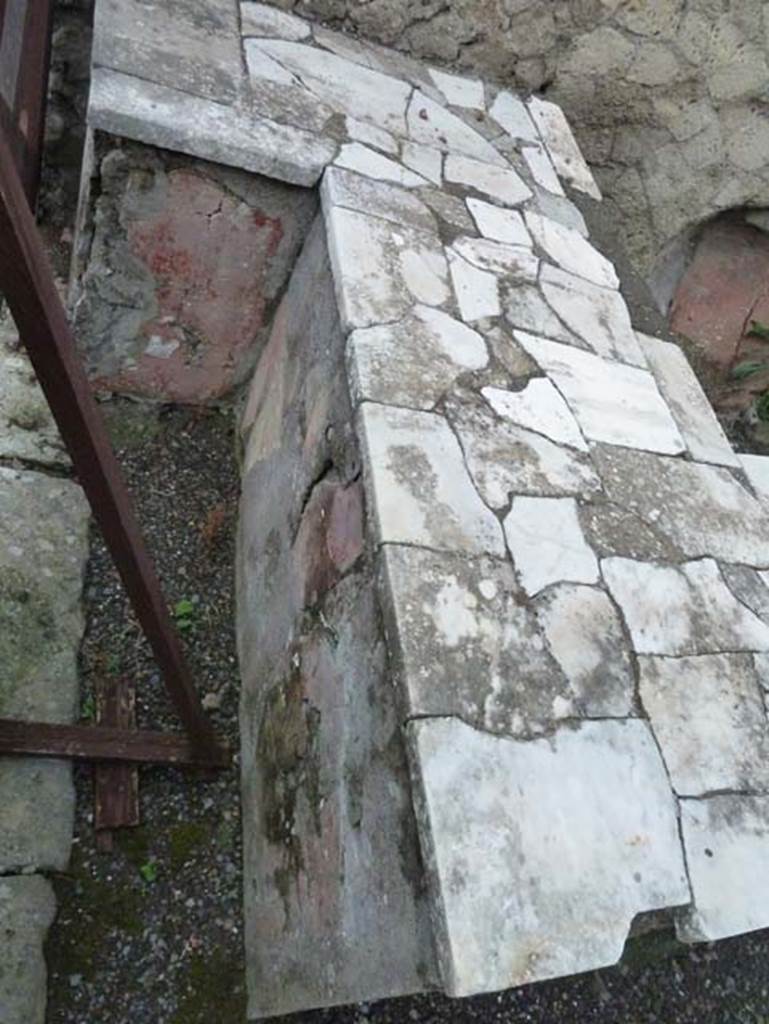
(27, 283)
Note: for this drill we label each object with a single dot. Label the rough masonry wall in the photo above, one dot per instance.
(669, 99)
(333, 885)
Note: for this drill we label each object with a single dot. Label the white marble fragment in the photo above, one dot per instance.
(613, 402)
(459, 91)
(433, 125)
(539, 407)
(682, 609)
(500, 183)
(370, 135)
(688, 403)
(261, 66)
(547, 544)
(414, 361)
(539, 860)
(541, 169)
(756, 468)
(562, 146)
(709, 719)
(499, 224)
(597, 315)
(424, 160)
(344, 188)
(509, 261)
(525, 308)
(506, 460)
(510, 113)
(347, 87)
(264, 20)
(418, 486)
(381, 269)
(570, 250)
(726, 839)
(355, 157)
(584, 634)
(477, 291)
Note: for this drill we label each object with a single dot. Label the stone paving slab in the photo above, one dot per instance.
(27, 909)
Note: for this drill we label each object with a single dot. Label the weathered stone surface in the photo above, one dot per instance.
(686, 609)
(750, 587)
(502, 184)
(568, 860)
(562, 146)
(371, 135)
(505, 460)
(709, 719)
(262, 20)
(42, 561)
(423, 160)
(467, 646)
(540, 168)
(381, 270)
(547, 543)
(598, 316)
(27, 428)
(355, 157)
(499, 224)
(687, 402)
(458, 90)
(413, 362)
(612, 402)
(517, 262)
(162, 116)
(27, 909)
(419, 489)
(510, 112)
(584, 634)
(432, 125)
(614, 530)
(727, 848)
(525, 308)
(538, 407)
(354, 192)
(477, 291)
(570, 250)
(756, 468)
(701, 509)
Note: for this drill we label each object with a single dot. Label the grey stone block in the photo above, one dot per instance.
(27, 909)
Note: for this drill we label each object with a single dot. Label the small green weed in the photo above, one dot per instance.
(149, 871)
(184, 615)
(758, 330)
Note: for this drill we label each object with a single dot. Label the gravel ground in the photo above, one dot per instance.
(151, 934)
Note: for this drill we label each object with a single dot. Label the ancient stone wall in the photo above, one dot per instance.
(669, 99)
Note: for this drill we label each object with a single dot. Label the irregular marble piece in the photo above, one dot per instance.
(477, 291)
(571, 251)
(498, 224)
(702, 510)
(687, 402)
(547, 543)
(27, 910)
(459, 91)
(432, 125)
(467, 645)
(381, 269)
(726, 839)
(264, 68)
(562, 146)
(525, 308)
(506, 460)
(538, 407)
(613, 402)
(510, 113)
(343, 188)
(509, 353)
(756, 468)
(561, 209)
(614, 530)
(415, 361)
(682, 609)
(509, 261)
(370, 135)
(709, 719)
(355, 157)
(597, 315)
(449, 208)
(584, 634)
(537, 858)
(750, 587)
(262, 20)
(542, 170)
(500, 183)
(424, 160)
(345, 86)
(418, 486)
(164, 117)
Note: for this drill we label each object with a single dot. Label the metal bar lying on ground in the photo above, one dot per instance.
(28, 285)
(99, 743)
(116, 785)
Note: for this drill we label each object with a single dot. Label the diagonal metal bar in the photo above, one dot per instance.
(27, 282)
(100, 743)
(32, 90)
